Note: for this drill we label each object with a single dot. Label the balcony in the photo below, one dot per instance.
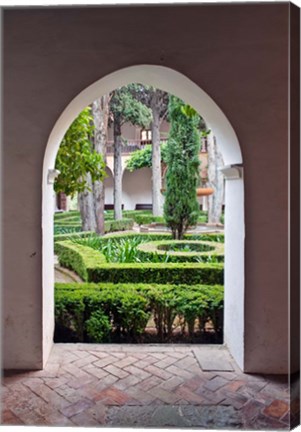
(131, 145)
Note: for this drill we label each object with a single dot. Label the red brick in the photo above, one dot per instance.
(114, 394)
(216, 383)
(252, 409)
(165, 362)
(276, 409)
(116, 371)
(161, 373)
(163, 395)
(137, 372)
(126, 361)
(234, 386)
(150, 382)
(189, 396)
(179, 372)
(76, 408)
(84, 419)
(98, 412)
(129, 381)
(9, 418)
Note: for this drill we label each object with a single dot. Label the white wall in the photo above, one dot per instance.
(136, 188)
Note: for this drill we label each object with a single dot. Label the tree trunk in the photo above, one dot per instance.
(117, 172)
(216, 181)
(100, 111)
(156, 157)
(86, 204)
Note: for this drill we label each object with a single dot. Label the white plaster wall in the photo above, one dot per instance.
(234, 270)
(109, 187)
(136, 188)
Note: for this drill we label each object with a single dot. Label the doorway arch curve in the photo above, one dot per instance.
(178, 84)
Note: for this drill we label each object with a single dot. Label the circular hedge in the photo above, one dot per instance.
(183, 251)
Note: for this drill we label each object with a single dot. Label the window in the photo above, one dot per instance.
(146, 136)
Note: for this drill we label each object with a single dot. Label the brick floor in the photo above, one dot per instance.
(90, 385)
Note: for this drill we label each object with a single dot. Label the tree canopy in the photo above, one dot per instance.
(181, 207)
(76, 157)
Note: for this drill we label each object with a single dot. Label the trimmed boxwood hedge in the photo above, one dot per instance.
(91, 266)
(111, 225)
(156, 248)
(126, 308)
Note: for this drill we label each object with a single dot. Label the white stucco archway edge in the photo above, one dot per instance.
(175, 83)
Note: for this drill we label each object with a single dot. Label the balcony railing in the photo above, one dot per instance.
(129, 146)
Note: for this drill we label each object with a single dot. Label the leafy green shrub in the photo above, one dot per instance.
(78, 258)
(128, 307)
(98, 327)
(74, 235)
(181, 251)
(91, 266)
(118, 225)
(168, 273)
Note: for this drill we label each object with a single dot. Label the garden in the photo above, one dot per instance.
(141, 287)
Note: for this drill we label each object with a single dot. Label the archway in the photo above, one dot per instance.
(179, 85)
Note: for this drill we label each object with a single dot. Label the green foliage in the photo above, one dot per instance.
(79, 258)
(181, 251)
(181, 207)
(124, 309)
(91, 266)
(143, 158)
(125, 107)
(98, 327)
(76, 158)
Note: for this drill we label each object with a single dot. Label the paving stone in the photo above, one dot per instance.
(146, 417)
(129, 381)
(119, 373)
(179, 372)
(140, 397)
(276, 409)
(234, 386)
(216, 383)
(164, 363)
(98, 412)
(150, 382)
(77, 407)
(161, 373)
(172, 383)
(95, 371)
(213, 359)
(84, 419)
(127, 361)
(252, 409)
(105, 361)
(79, 380)
(164, 395)
(220, 417)
(113, 394)
(9, 418)
(186, 394)
(137, 372)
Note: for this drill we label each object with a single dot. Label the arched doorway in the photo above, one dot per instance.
(179, 85)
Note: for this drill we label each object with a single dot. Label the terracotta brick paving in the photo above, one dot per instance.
(134, 385)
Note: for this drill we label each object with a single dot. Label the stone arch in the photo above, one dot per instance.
(181, 86)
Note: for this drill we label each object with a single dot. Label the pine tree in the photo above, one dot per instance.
(181, 207)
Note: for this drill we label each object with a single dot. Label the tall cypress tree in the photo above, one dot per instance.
(181, 207)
